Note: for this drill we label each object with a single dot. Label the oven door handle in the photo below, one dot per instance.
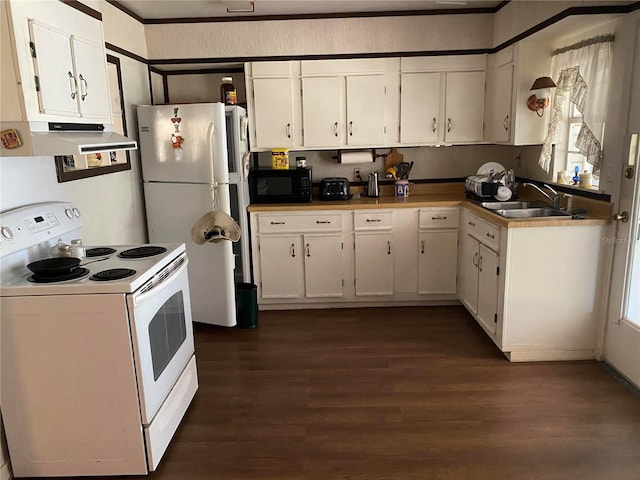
(155, 288)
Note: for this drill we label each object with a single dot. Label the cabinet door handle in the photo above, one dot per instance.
(422, 246)
(335, 129)
(351, 128)
(374, 219)
(288, 130)
(490, 235)
(434, 125)
(388, 247)
(83, 95)
(505, 122)
(292, 250)
(323, 221)
(471, 223)
(480, 263)
(73, 85)
(449, 124)
(439, 217)
(474, 260)
(277, 223)
(308, 251)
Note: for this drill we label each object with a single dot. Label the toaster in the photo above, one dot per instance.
(334, 188)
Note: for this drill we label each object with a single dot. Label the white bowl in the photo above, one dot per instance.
(503, 194)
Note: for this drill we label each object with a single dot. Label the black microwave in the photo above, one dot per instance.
(280, 186)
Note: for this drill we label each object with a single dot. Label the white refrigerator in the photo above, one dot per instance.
(192, 164)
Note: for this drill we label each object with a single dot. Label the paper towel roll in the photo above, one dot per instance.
(356, 157)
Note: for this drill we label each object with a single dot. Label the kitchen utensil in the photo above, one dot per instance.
(54, 267)
(373, 188)
(392, 158)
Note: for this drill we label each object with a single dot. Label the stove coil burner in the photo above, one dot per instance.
(112, 274)
(100, 251)
(142, 252)
(76, 273)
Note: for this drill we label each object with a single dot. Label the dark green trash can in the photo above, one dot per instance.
(246, 305)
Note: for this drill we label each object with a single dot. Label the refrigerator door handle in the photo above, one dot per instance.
(210, 141)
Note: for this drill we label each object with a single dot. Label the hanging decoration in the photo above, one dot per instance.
(176, 137)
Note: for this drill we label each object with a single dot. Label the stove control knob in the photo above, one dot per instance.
(7, 233)
(68, 212)
(76, 212)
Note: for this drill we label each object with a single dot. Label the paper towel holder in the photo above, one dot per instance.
(371, 157)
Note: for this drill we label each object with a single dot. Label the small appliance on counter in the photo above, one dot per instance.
(334, 188)
(280, 186)
(373, 187)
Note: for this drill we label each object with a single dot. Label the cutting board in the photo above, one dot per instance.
(392, 158)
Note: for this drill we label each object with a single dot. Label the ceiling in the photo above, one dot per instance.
(225, 9)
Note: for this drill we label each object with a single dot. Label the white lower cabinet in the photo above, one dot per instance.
(479, 271)
(437, 250)
(374, 263)
(281, 266)
(289, 264)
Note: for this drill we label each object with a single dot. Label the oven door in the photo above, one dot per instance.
(160, 315)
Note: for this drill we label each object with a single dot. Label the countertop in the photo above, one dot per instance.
(598, 213)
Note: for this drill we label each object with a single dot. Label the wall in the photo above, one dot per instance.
(193, 88)
(319, 36)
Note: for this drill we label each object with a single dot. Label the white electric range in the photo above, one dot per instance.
(97, 370)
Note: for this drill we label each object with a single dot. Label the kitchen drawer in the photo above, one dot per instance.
(288, 222)
(480, 229)
(372, 220)
(439, 217)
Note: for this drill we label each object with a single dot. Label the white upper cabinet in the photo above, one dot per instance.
(61, 63)
(420, 107)
(273, 114)
(464, 107)
(273, 102)
(365, 110)
(510, 74)
(322, 117)
(442, 100)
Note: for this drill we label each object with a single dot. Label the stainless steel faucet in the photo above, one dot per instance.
(554, 198)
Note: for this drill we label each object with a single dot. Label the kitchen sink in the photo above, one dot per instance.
(512, 205)
(532, 212)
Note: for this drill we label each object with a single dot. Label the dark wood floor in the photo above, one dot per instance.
(395, 393)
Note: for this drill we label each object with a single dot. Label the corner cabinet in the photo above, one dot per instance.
(524, 289)
(61, 63)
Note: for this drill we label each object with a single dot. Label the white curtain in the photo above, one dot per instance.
(582, 73)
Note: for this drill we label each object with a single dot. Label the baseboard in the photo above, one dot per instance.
(550, 355)
(5, 472)
(357, 304)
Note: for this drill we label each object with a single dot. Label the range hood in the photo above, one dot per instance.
(64, 139)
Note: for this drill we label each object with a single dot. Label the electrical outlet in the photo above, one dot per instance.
(356, 174)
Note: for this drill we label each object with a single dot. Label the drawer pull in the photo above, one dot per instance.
(491, 235)
(480, 263)
(472, 223)
(388, 247)
(439, 217)
(308, 251)
(292, 250)
(474, 260)
(323, 221)
(374, 219)
(277, 223)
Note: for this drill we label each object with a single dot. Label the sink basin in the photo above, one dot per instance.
(532, 212)
(511, 205)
